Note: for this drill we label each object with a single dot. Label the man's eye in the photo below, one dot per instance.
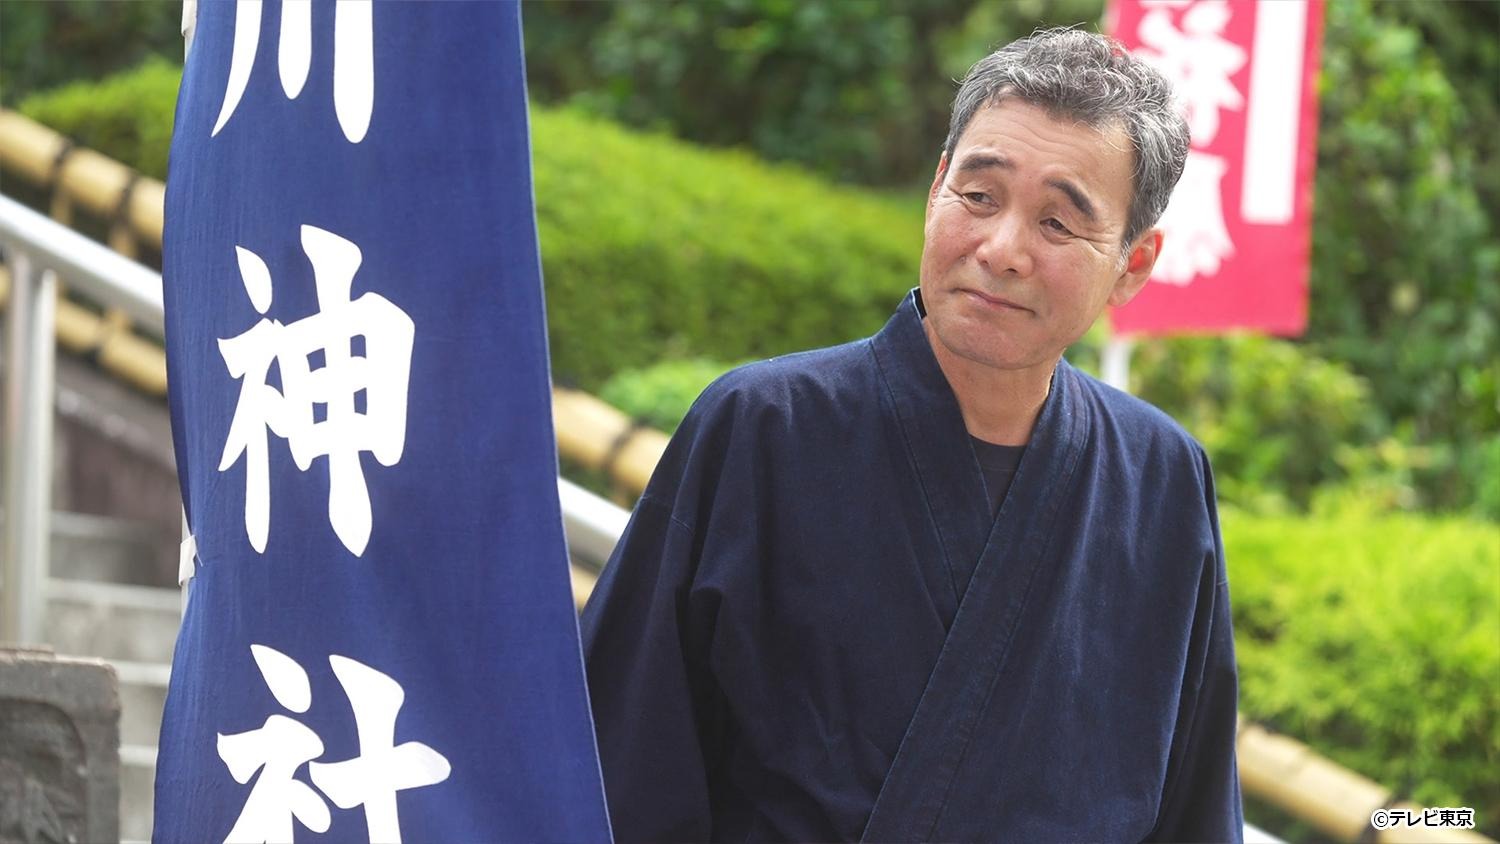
(1056, 225)
(977, 197)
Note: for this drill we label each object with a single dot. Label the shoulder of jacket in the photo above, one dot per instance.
(1142, 421)
(774, 383)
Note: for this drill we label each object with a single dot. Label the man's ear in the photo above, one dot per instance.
(937, 181)
(1138, 266)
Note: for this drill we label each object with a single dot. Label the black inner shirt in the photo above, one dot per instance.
(998, 465)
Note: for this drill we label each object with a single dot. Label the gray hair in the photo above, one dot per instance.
(1091, 79)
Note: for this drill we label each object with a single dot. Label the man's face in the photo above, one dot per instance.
(1023, 234)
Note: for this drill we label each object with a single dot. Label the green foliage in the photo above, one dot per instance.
(1377, 642)
(653, 249)
(127, 116)
(660, 395)
(1486, 465)
(1273, 417)
(1405, 262)
(44, 43)
(853, 90)
(712, 71)
(1463, 37)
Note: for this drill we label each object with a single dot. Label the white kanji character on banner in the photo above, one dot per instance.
(350, 362)
(382, 767)
(276, 749)
(250, 356)
(1196, 241)
(1197, 59)
(282, 745)
(353, 59)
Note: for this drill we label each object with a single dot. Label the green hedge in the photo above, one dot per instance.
(1275, 419)
(651, 248)
(654, 249)
(127, 116)
(660, 395)
(1377, 641)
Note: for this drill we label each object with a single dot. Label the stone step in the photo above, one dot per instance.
(106, 549)
(143, 693)
(137, 784)
(112, 621)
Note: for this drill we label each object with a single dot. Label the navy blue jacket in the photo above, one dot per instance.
(814, 630)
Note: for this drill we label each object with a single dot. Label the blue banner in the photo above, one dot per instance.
(380, 641)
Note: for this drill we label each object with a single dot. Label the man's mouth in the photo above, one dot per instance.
(991, 301)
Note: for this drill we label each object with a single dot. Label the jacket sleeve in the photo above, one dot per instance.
(652, 694)
(1202, 797)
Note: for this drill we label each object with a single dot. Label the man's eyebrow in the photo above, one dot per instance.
(1079, 198)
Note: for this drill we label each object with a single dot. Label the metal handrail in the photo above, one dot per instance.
(91, 267)
(39, 250)
(29, 363)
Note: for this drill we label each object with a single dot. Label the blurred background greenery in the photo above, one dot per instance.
(723, 180)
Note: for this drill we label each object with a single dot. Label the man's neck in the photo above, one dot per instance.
(999, 406)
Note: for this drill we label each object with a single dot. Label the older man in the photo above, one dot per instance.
(937, 584)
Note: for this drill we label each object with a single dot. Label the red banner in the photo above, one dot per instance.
(1235, 252)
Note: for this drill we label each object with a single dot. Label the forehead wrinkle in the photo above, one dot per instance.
(984, 161)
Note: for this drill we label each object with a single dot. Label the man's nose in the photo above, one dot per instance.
(1006, 247)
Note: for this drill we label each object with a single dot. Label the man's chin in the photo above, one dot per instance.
(982, 351)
